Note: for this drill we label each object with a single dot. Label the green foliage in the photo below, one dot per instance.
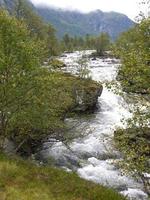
(52, 44)
(32, 100)
(102, 43)
(44, 32)
(19, 180)
(134, 144)
(55, 64)
(19, 57)
(133, 49)
(67, 43)
(25, 11)
(70, 44)
(79, 24)
(82, 68)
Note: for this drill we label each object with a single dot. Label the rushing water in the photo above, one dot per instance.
(93, 156)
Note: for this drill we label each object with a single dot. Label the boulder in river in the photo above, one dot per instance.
(86, 96)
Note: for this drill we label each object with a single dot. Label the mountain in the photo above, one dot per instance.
(10, 5)
(79, 24)
(76, 23)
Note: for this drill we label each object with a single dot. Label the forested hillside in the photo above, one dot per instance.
(24, 10)
(78, 24)
(75, 23)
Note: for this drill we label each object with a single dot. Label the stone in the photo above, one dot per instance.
(86, 98)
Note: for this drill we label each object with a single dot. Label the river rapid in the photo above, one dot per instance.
(93, 156)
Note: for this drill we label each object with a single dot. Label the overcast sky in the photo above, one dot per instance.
(128, 7)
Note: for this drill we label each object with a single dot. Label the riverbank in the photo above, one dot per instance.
(65, 94)
(95, 151)
(23, 180)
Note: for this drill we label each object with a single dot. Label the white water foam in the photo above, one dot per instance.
(95, 151)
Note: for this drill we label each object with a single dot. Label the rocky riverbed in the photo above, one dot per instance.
(93, 155)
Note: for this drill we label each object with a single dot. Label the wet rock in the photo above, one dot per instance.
(63, 55)
(122, 188)
(94, 58)
(65, 159)
(9, 147)
(86, 98)
(135, 194)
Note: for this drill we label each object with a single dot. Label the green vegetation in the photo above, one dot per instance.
(100, 43)
(33, 103)
(134, 144)
(82, 70)
(133, 49)
(20, 57)
(44, 32)
(55, 64)
(19, 180)
(79, 24)
(25, 11)
(33, 100)
(131, 141)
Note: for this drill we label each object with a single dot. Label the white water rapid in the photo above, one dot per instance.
(93, 156)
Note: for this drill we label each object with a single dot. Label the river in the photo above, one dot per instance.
(93, 155)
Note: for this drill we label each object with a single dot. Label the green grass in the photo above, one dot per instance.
(21, 180)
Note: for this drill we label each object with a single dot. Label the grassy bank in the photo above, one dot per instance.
(20, 180)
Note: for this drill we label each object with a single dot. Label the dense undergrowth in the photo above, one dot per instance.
(134, 75)
(133, 49)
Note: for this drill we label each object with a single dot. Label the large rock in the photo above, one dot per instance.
(86, 97)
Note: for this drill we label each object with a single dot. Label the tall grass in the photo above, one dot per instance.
(21, 180)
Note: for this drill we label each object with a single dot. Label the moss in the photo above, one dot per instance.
(56, 64)
(74, 86)
(25, 181)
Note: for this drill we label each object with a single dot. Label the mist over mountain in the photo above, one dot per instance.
(76, 23)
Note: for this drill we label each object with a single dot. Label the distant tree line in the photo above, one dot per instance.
(100, 43)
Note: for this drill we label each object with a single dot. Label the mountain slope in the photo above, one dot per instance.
(10, 5)
(80, 24)
(75, 23)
